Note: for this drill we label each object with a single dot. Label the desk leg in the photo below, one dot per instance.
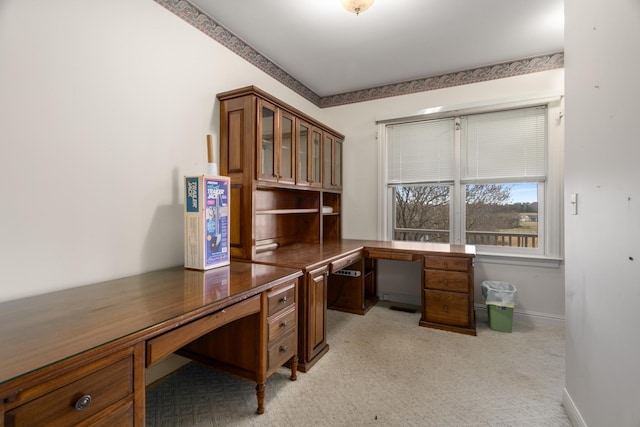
(294, 368)
(260, 395)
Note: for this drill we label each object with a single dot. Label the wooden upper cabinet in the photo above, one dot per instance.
(273, 154)
(332, 162)
(276, 144)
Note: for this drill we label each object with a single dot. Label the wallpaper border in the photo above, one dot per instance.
(205, 23)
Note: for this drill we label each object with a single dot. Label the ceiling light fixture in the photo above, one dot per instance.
(356, 6)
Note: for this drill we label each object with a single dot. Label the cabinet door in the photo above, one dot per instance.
(276, 147)
(316, 158)
(337, 163)
(327, 161)
(303, 167)
(332, 162)
(316, 310)
(266, 149)
(286, 159)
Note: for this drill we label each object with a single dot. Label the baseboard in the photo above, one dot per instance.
(524, 315)
(572, 411)
(481, 310)
(165, 367)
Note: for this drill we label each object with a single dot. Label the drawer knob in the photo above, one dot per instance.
(283, 348)
(446, 308)
(83, 403)
(283, 299)
(284, 324)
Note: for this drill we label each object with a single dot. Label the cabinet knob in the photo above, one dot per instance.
(83, 403)
(446, 308)
(283, 299)
(284, 324)
(283, 348)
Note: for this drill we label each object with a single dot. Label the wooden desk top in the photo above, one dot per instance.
(41, 330)
(309, 255)
(38, 331)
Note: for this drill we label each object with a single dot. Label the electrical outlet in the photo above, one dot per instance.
(385, 297)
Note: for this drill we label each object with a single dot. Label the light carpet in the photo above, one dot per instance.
(383, 369)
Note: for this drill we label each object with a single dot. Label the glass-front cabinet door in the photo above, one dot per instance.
(266, 157)
(276, 144)
(332, 162)
(286, 161)
(337, 168)
(304, 143)
(316, 158)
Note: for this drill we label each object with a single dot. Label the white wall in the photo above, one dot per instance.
(104, 107)
(602, 255)
(540, 288)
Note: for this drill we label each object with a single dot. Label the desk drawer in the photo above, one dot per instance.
(167, 343)
(394, 255)
(447, 308)
(79, 400)
(447, 263)
(282, 323)
(446, 280)
(281, 350)
(344, 262)
(280, 298)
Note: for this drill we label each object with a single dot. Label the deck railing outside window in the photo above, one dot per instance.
(489, 238)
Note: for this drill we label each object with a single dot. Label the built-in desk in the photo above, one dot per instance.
(446, 284)
(78, 356)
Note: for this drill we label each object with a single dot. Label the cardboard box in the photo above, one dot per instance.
(206, 222)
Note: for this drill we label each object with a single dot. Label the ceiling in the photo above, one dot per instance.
(332, 51)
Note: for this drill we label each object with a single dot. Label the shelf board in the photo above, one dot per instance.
(285, 211)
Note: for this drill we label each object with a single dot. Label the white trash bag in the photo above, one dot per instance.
(502, 294)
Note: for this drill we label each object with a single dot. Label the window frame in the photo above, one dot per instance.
(550, 227)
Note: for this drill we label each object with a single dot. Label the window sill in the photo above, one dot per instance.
(520, 260)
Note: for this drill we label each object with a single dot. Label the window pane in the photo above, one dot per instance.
(502, 214)
(422, 213)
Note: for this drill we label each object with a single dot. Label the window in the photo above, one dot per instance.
(478, 179)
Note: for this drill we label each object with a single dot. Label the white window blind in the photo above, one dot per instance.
(421, 152)
(504, 146)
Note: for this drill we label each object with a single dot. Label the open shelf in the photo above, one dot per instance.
(284, 200)
(353, 294)
(330, 201)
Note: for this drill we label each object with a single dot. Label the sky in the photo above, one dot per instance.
(524, 193)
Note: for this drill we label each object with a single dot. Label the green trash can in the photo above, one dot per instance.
(500, 300)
